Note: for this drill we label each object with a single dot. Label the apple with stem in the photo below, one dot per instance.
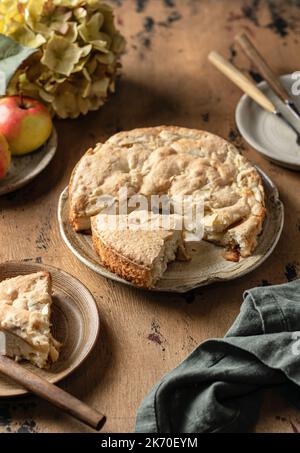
(25, 123)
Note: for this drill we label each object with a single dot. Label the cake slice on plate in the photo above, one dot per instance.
(140, 254)
(25, 311)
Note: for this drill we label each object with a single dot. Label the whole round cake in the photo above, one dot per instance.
(175, 161)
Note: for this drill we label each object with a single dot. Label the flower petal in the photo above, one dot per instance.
(27, 37)
(90, 30)
(60, 55)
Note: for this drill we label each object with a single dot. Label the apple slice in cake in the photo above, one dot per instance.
(25, 310)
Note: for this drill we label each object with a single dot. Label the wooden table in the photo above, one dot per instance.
(166, 80)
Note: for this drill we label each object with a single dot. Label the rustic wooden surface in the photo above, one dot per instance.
(166, 80)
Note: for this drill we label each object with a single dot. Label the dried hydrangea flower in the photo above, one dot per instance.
(79, 50)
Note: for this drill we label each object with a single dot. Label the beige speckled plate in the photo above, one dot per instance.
(207, 264)
(75, 323)
(23, 169)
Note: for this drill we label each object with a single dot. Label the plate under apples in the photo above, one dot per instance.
(28, 141)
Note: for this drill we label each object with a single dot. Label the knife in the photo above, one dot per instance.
(266, 71)
(246, 85)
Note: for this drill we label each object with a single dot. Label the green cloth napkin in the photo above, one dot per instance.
(218, 387)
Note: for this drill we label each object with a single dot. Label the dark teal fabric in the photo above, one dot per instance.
(218, 387)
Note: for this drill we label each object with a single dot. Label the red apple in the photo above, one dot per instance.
(4, 157)
(26, 123)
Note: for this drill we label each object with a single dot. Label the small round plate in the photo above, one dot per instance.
(267, 133)
(75, 323)
(207, 264)
(23, 169)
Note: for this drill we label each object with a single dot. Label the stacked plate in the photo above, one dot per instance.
(267, 133)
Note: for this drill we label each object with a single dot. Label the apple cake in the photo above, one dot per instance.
(25, 310)
(175, 161)
(134, 250)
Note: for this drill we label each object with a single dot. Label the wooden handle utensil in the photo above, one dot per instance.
(267, 72)
(262, 66)
(245, 84)
(51, 393)
(242, 81)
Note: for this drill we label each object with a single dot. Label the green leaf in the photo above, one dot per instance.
(12, 55)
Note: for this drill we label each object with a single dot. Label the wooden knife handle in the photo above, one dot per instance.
(265, 70)
(242, 81)
(51, 393)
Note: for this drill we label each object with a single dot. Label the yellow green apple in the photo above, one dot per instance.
(25, 123)
(5, 156)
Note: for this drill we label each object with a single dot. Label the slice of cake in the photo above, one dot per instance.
(25, 310)
(139, 254)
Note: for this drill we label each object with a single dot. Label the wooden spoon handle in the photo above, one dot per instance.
(51, 393)
(263, 67)
(243, 82)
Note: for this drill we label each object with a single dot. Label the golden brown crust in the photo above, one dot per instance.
(120, 265)
(139, 255)
(74, 215)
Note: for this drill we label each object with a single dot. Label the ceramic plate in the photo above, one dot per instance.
(267, 133)
(24, 168)
(75, 323)
(207, 264)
